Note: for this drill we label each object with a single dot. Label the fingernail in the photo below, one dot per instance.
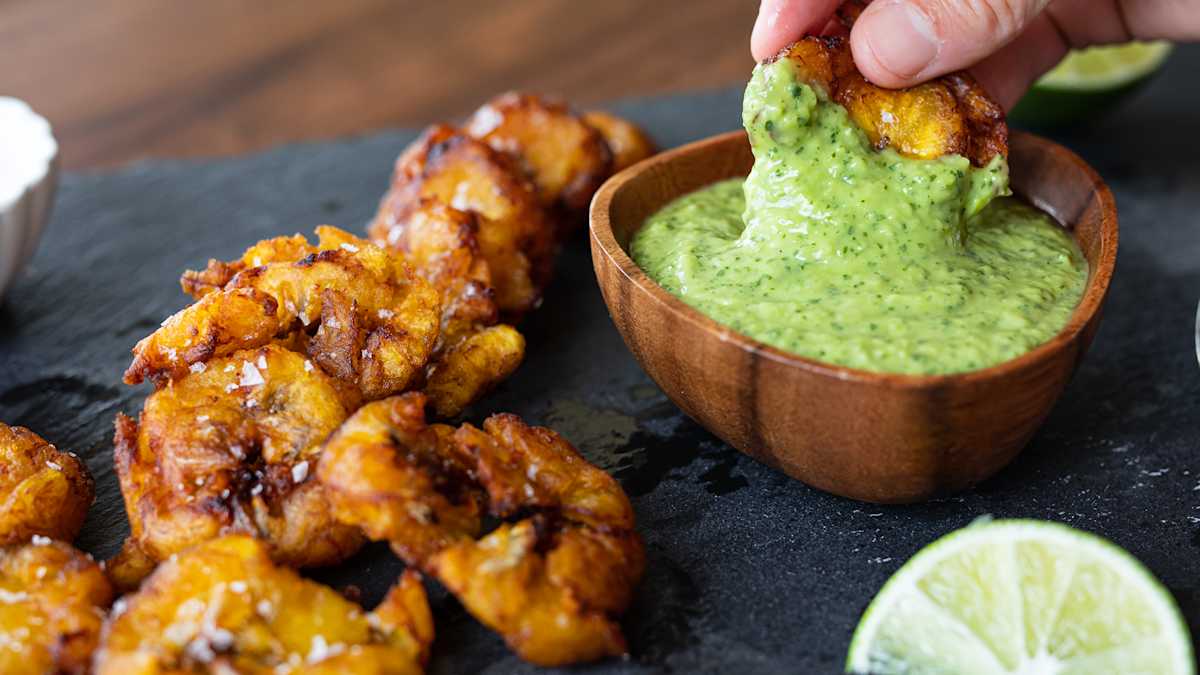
(901, 38)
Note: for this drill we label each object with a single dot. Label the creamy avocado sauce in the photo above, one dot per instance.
(863, 258)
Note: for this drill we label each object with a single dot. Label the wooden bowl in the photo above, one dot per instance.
(870, 436)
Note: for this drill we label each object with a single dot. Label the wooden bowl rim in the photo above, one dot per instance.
(1093, 297)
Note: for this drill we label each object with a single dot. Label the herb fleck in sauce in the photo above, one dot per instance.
(866, 259)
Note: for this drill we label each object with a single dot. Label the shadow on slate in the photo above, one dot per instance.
(748, 570)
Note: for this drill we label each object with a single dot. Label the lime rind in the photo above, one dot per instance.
(1115, 618)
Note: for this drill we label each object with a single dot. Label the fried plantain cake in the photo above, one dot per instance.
(52, 604)
(553, 582)
(43, 491)
(233, 449)
(369, 320)
(223, 606)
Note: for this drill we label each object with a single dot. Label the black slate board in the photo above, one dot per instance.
(748, 571)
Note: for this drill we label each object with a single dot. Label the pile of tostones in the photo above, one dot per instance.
(287, 426)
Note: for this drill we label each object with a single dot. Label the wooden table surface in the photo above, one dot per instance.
(126, 79)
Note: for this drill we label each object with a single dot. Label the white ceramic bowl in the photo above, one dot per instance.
(28, 178)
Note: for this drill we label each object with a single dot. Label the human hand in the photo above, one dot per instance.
(1007, 44)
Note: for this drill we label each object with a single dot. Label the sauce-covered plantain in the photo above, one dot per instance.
(951, 115)
(873, 230)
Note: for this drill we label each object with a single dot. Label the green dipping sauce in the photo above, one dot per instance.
(863, 258)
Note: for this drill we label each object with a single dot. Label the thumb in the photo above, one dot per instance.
(898, 43)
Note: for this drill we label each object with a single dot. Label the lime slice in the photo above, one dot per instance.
(1089, 82)
(1022, 597)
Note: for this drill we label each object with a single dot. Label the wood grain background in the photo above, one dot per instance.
(125, 79)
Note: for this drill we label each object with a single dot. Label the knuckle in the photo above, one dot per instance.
(1001, 18)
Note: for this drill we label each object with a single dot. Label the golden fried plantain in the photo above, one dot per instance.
(949, 115)
(224, 607)
(550, 584)
(515, 236)
(524, 467)
(233, 449)
(628, 143)
(198, 283)
(473, 366)
(566, 158)
(401, 480)
(473, 354)
(376, 321)
(52, 604)
(550, 592)
(43, 491)
(441, 243)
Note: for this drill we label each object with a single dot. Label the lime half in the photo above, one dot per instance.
(1089, 82)
(1022, 597)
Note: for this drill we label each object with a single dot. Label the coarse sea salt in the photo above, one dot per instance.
(251, 377)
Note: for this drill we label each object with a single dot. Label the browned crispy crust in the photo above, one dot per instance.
(401, 480)
(198, 283)
(223, 606)
(515, 236)
(552, 583)
(232, 449)
(473, 352)
(372, 320)
(949, 115)
(43, 491)
(566, 158)
(627, 141)
(471, 366)
(52, 604)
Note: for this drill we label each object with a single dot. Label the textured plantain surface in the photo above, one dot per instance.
(566, 158)
(43, 491)
(627, 142)
(52, 604)
(223, 606)
(368, 319)
(552, 583)
(233, 449)
(515, 235)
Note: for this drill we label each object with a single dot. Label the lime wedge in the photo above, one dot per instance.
(1089, 82)
(1101, 68)
(1022, 597)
